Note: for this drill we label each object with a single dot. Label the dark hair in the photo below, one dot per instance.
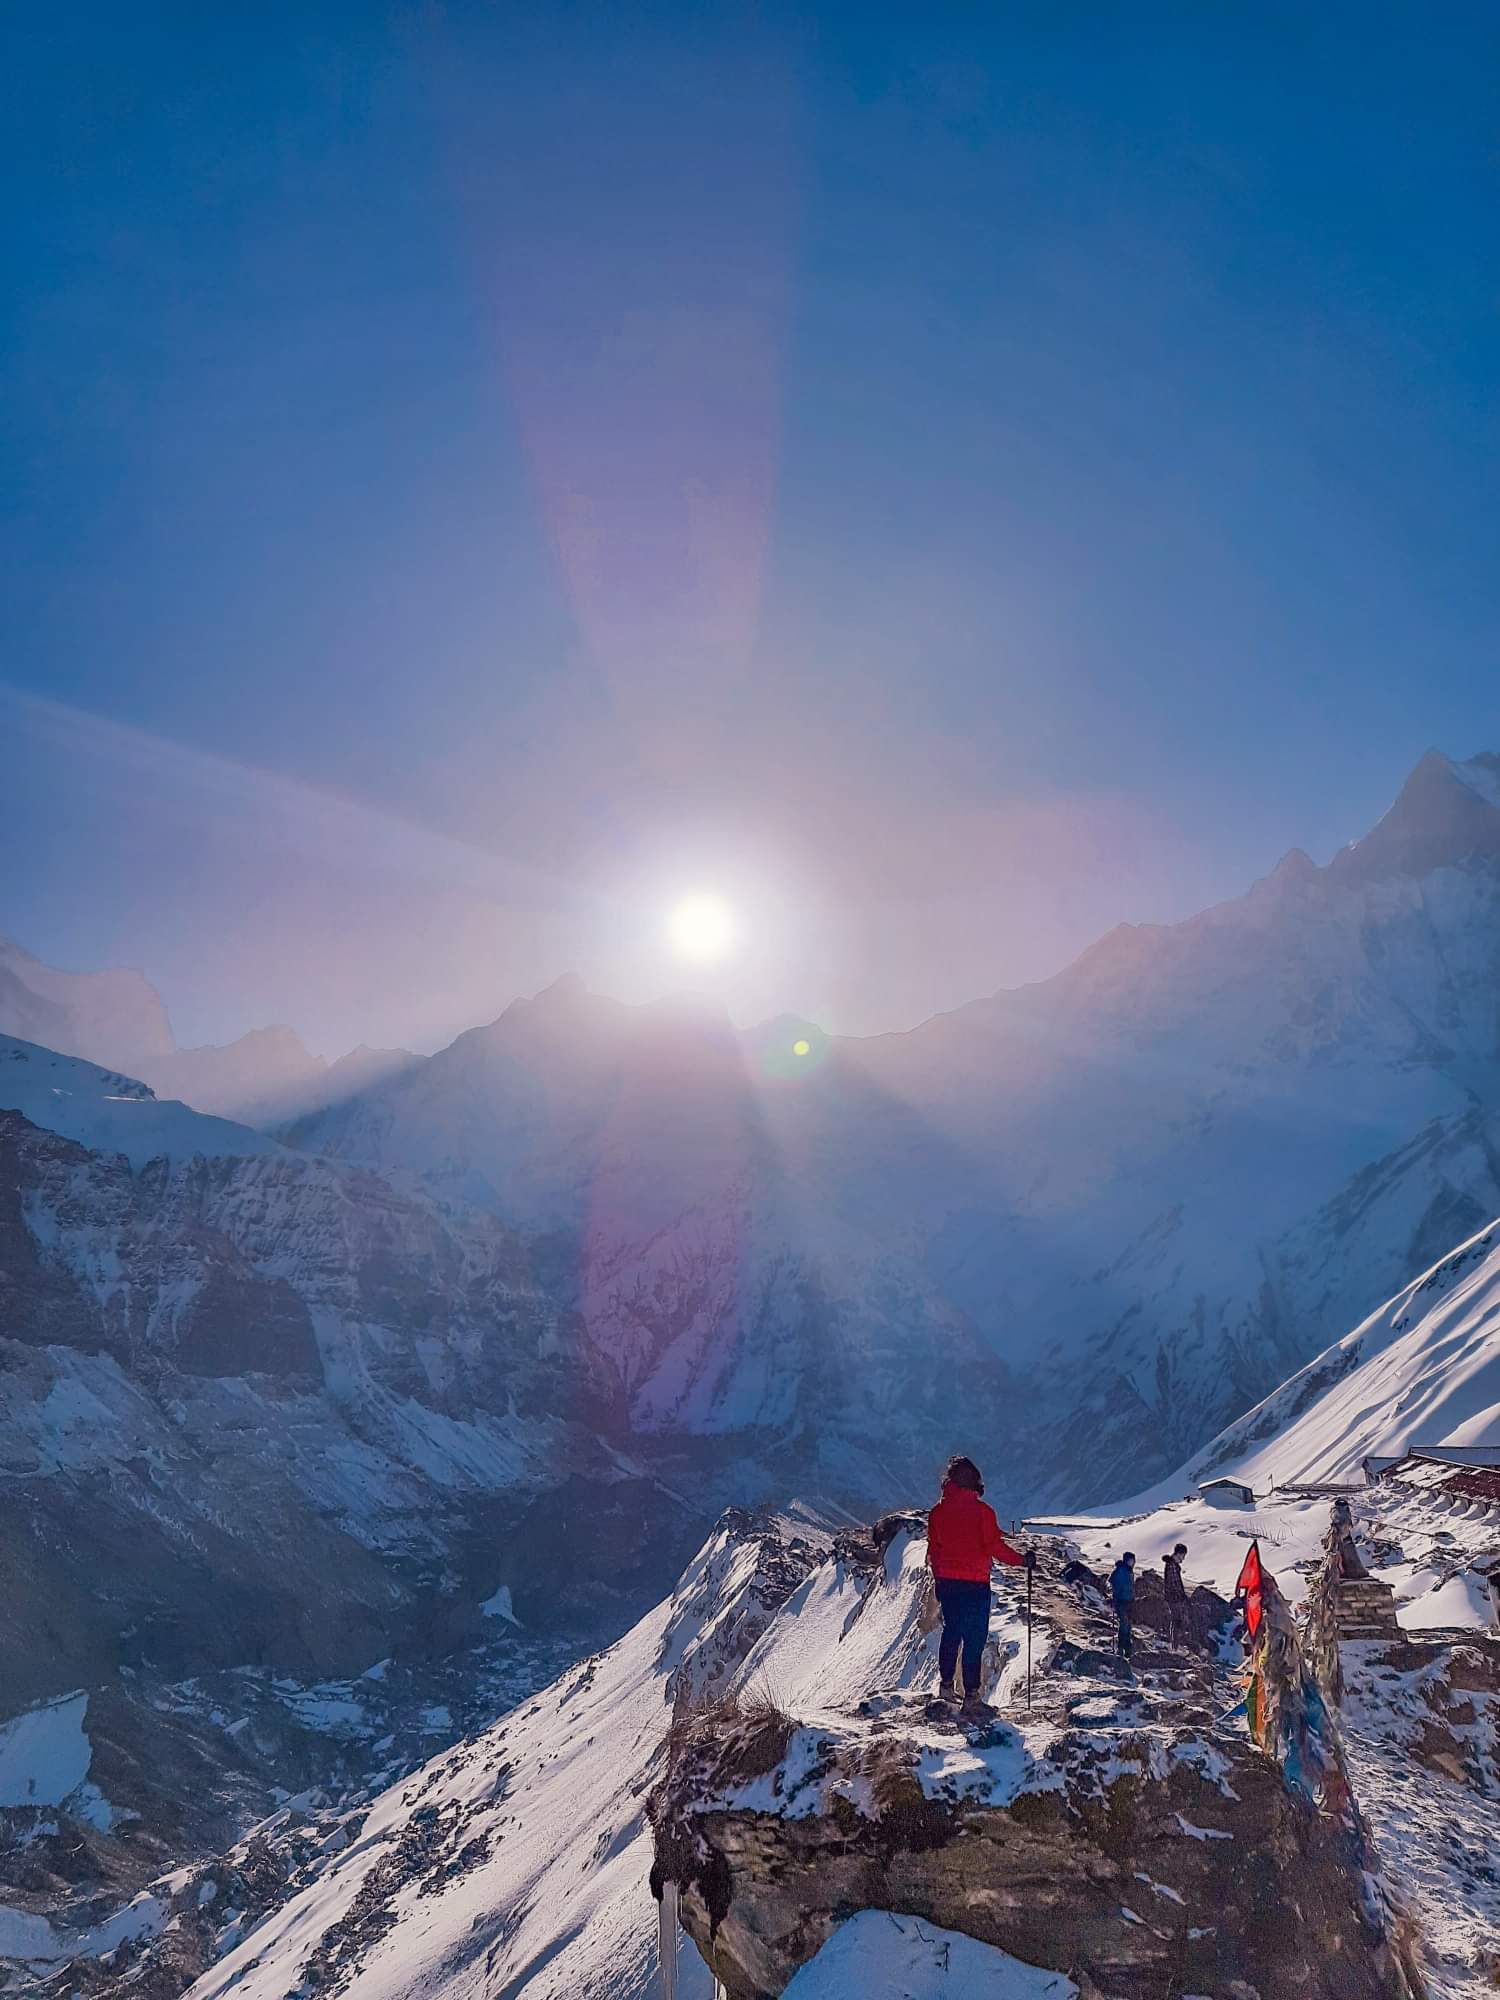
(1128, 1557)
(963, 1472)
(1180, 1550)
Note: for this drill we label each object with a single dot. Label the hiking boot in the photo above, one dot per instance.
(976, 1705)
(947, 1690)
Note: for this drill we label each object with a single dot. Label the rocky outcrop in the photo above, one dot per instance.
(1140, 1860)
(1120, 1833)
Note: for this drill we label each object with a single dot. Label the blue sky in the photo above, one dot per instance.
(949, 479)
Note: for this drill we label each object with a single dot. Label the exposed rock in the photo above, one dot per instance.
(1139, 1861)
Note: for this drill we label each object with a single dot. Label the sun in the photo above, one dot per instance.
(701, 928)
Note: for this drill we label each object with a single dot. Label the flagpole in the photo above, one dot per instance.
(1030, 1573)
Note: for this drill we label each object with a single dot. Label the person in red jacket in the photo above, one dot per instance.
(963, 1539)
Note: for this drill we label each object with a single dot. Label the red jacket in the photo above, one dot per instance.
(964, 1538)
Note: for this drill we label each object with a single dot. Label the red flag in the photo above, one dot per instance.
(1249, 1581)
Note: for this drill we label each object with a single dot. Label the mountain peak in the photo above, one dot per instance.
(1445, 814)
(115, 1017)
(567, 987)
(562, 995)
(1295, 868)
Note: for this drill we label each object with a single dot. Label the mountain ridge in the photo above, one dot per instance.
(1096, 1167)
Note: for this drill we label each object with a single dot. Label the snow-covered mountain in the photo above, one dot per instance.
(498, 1334)
(1153, 1185)
(764, 1742)
(1422, 1370)
(1150, 1187)
(246, 1377)
(113, 1018)
(217, 1350)
(268, 1076)
(117, 1019)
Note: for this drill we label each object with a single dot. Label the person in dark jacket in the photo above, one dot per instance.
(963, 1539)
(1122, 1593)
(1179, 1622)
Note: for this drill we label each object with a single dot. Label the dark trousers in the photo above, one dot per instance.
(1179, 1625)
(966, 1624)
(1126, 1631)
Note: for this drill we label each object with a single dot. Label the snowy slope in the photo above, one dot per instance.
(879, 1956)
(110, 1113)
(1423, 1369)
(547, 1809)
(518, 1862)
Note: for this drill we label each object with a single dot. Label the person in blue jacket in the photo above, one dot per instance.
(1122, 1591)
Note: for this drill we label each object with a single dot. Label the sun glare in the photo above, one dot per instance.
(701, 929)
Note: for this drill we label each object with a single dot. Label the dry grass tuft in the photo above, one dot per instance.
(736, 1737)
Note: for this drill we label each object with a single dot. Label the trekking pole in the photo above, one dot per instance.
(1030, 1573)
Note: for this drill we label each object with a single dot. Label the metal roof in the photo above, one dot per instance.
(1436, 1475)
(1440, 1454)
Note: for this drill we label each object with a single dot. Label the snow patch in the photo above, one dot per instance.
(499, 1606)
(26, 1937)
(45, 1753)
(879, 1956)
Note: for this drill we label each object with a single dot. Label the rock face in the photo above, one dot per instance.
(278, 1387)
(1138, 1861)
